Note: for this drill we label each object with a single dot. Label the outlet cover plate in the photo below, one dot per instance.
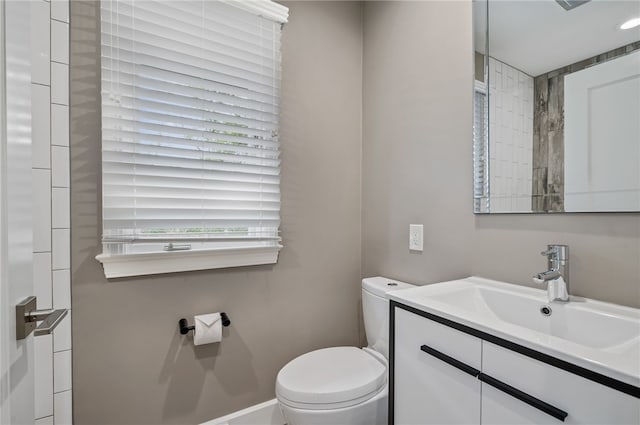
(416, 232)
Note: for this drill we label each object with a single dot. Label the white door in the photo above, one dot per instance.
(602, 136)
(16, 280)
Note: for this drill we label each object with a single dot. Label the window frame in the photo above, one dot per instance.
(159, 262)
(118, 265)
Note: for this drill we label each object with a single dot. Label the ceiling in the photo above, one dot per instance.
(540, 36)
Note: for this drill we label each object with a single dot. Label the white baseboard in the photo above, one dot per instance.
(267, 413)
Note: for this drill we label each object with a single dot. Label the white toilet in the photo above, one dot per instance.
(343, 385)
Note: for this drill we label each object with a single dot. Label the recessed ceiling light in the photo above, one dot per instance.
(631, 23)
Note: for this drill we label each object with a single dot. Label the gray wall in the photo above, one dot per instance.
(604, 251)
(416, 166)
(130, 364)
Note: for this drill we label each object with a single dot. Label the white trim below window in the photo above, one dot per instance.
(179, 261)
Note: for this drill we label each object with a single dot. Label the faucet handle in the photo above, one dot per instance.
(550, 251)
(557, 252)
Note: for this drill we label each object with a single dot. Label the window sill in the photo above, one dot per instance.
(181, 261)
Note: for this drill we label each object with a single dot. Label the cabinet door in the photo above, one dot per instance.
(584, 401)
(428, 389)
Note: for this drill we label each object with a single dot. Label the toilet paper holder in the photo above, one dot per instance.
(185, 328)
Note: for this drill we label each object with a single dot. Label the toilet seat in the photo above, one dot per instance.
(331, 378)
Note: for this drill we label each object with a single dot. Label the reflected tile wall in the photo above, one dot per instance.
(510, 140)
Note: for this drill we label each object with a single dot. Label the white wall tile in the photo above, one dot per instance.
(62, 334)
(509, 94)
(62, 406)
(60, 208)
(40, 44)
(61, 289)
(44, 421)
(60, 249)
(60, 10)
(50, 58)
(61, 371)
(43, 373)
(59, 42)
(41, 210)
(59, 166)
(59, 83)
(42, 279)
(59, 125)
(40, 126)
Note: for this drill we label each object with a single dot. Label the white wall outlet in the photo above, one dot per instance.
(415, 237)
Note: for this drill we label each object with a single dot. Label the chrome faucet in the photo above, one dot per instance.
(557, 275)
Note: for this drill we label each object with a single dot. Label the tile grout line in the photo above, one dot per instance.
(53, 378)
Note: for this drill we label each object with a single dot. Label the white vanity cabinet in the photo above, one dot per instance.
(584, 401)
(447, 373)
(427, 389)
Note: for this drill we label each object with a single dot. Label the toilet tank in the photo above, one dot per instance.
(375, 309)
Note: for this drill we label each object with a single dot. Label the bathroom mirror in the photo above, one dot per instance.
(556, 106)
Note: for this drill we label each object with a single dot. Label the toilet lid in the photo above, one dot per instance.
(331, 375)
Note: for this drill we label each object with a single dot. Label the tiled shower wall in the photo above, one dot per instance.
(51, 222)
(510, 142)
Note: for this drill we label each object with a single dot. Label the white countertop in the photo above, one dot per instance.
(598, 336)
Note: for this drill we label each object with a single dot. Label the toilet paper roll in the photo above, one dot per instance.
(208, 329)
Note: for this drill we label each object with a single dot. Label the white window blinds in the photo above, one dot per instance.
(480, 150)
(190, 106)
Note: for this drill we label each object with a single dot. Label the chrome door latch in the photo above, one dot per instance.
(27, 317)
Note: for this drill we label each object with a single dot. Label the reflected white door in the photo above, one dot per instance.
(602, 136)
(16, 280)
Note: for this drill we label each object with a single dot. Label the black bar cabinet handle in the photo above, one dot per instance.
(450, 360)
(522, 396)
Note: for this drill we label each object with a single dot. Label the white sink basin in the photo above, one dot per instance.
(600, 336)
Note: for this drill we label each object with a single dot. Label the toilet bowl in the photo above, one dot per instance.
(343, 385)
